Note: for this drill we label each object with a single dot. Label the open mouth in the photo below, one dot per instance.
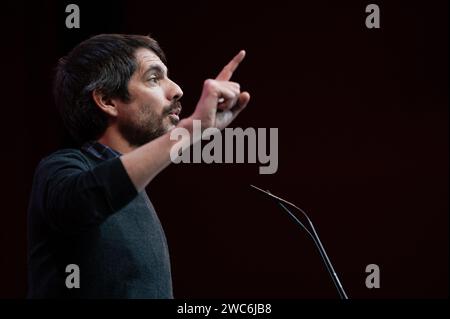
(174, 113)
(174, 117)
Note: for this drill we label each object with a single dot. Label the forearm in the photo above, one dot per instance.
(148, 160)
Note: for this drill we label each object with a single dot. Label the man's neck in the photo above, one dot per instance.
(114, 140)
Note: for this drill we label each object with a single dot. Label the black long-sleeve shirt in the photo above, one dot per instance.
(85, 210)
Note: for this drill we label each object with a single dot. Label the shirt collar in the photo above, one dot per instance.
(100, 150)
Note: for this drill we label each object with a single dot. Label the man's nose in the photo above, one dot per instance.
(175, 92)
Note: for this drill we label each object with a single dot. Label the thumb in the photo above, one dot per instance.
(243, 100)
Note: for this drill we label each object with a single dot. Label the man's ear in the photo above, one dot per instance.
(106, 104)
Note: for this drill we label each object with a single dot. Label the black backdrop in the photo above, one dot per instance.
(363, 141)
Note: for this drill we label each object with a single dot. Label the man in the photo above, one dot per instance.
(88, 206)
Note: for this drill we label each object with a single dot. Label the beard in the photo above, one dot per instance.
(148, 126)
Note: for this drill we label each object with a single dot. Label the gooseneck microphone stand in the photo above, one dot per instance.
(314, 236)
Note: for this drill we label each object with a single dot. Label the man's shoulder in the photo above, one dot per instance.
(66, 153)
(64, 157)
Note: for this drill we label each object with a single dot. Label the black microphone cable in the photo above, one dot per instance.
(314, 236)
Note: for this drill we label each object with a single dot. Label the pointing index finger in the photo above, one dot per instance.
(227, 71)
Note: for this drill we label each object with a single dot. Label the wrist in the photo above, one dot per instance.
(186, 123)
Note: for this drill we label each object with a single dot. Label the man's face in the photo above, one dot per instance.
(153, 108)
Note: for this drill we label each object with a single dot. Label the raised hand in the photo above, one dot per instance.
(221, 100)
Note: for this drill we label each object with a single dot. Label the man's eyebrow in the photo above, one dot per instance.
(157, 68)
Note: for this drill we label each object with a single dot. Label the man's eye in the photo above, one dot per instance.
(153, 79)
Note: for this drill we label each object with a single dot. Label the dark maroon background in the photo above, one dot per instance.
(363, 141)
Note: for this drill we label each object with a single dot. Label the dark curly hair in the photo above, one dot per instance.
(104, 63)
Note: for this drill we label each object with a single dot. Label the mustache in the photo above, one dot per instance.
(172, 107)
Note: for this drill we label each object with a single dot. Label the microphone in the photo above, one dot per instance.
(314, 236)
